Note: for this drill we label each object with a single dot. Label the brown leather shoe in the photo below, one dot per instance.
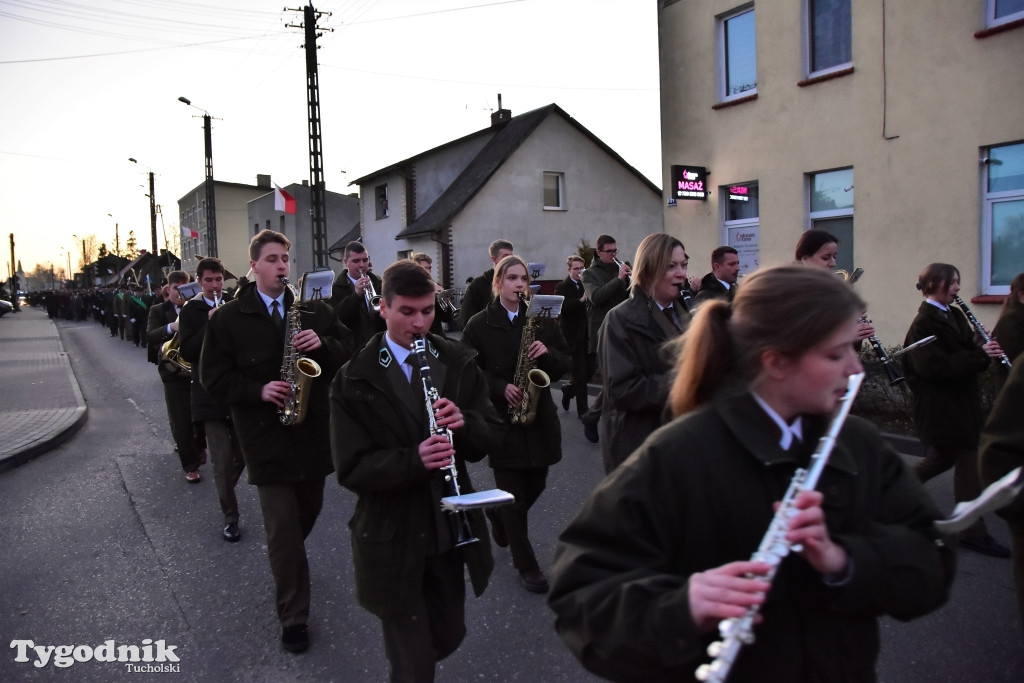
(192, 477)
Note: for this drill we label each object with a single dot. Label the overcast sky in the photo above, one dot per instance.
(90, 83)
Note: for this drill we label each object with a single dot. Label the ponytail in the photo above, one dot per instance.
(706, 356)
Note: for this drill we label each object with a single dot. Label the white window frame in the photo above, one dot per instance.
(988, 200)
(381, 212)
(723, 77)
(808, 47)
(990, 15)
(560, 180)
(813, 216)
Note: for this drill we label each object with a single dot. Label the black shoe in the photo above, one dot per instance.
(590, 421)
(986, 545)
(231, 532)
(497, 528)
(566, 397)
(295, 638)
(533, 580)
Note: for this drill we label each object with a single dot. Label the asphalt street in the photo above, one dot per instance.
(103, 539)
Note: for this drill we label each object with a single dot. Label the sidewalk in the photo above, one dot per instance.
(42, 403)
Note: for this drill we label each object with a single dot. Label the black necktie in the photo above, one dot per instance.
(670, 313)
(276, 317)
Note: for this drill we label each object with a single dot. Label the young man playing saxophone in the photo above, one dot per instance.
(408, 571)
(241, 365)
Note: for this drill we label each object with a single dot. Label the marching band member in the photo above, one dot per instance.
(635, 373)
(161, 326)
(658, 555)
(221, 438)
(521, 457)
(1009, 329)
(819, 249)
(442, 313)
(350, 294)
(478, 290)
(943, 376)
(408, 570)
(575, 330)
(241, 365)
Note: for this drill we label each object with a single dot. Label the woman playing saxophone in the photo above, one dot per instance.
(527, 448)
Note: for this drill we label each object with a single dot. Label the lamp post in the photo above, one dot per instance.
(152, 207)
(117, 237)
(211, 214)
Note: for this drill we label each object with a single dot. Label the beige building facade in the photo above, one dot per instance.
(898, 126)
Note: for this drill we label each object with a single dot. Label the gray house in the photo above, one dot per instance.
(539, 179)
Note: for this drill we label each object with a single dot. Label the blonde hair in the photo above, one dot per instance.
(789, 309)
(502, 268)
(653, 257)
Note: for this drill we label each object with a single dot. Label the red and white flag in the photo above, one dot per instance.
(186, 233)
(283, 201)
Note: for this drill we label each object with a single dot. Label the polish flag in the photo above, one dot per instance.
(283, 201)
(186, 233)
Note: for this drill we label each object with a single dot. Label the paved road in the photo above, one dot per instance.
(103, 539)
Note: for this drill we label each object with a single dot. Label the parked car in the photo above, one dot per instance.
(5, 307)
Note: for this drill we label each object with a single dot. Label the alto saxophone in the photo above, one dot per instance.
(530, 379)
(296, 369)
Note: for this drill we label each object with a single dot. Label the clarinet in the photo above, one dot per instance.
(980, 329)
(739, 631)
(890, 368)
(463, 531)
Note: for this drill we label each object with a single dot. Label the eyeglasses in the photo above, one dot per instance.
(609, 251)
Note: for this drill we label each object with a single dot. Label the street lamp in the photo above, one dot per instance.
(211, 214)
(152, 207)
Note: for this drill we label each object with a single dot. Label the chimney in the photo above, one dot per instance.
(500, 116)
(263, 180)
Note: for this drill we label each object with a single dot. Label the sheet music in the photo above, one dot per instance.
(545, 305)
(998, 494)
(316, 285)
(480, 499)
(189, 290)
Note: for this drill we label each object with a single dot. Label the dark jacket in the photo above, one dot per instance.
(160, 316)
(242, 351)
(605, 291)
(353, 311)
(478, 294)
(573, 318)
(635, 374)
(191, 330)
(375, 445)
(496, 342)
(1002, 439)
(944, 378)
(711, 288)
(698, 495)
(1009, 332)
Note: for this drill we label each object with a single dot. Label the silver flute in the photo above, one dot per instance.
(739, 631)
(980, 329)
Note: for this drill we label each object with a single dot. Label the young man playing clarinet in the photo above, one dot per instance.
(408, 569)
(241, 365)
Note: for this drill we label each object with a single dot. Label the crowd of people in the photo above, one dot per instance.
(712, 394)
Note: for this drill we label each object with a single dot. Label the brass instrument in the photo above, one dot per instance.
(739, 631)
(445, 302)
(530, 379)
(296, 369)
(463, 532)
(169, 358)
(980, 329)
(620, 264)
(372, 298)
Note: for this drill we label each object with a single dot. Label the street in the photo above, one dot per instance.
(104, 540)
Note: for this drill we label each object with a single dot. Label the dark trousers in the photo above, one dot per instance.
(289, 513)
(178, 397)
(437, 625)
(1017, 534)
(222, 445)
(526, 484)
(966, 481)
(583, 365)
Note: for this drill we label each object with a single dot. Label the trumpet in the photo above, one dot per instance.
(372, 298)
(620, 264)
(445, 302)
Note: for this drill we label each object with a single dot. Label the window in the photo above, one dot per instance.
(831, 209)
(829, 35)
(381, 201)
(737, 57)
(554, 195)
(1003, 220)
(281, 228)
(741, 223)
(998, 12)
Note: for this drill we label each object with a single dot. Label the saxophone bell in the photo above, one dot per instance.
(297, 370)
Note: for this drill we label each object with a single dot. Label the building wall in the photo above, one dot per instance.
(379, 233)
(911, 126)
(601, 196)
(233, 232)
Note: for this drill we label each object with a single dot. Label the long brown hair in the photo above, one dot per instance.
(502, 268)
(1013, 299)
(652, 260)
(789, 309)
